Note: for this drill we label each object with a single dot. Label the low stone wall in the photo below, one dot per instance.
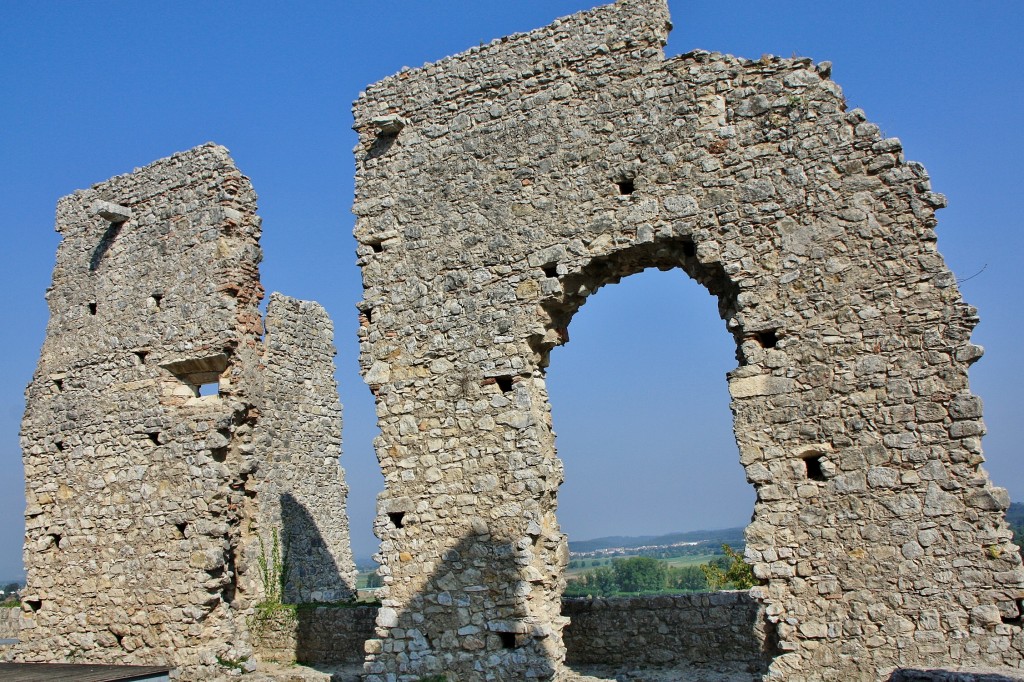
(322, 634)
(693, 629)
(9, 620)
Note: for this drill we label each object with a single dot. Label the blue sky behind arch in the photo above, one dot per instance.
(95, 89)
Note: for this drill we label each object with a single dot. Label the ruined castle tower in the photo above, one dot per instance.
(169, 445)
(498, 188)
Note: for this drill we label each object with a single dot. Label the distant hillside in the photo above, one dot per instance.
(1015, 514)
(730, 536)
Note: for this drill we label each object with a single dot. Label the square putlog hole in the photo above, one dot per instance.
(814, 470)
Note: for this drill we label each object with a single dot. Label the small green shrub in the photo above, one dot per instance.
(273, 569)
(738, 575)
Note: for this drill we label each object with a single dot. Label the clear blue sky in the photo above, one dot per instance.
(94, 89)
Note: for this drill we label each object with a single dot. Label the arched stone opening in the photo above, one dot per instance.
(646, 449)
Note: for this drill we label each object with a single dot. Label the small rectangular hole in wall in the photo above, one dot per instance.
(199, 377)
(767, 339)
(377, 246)
(59, 383)
(813, 466)
(397, 518)
(92, 308)
(219, 454)
(504, 383)
(141, 355)
(210, 388)
(689, 248)
(156, 299)
(182, 527)
(551, 270)
(508, 640)
(155, 437)
(34, 604)
(625, 186)
(60, 446)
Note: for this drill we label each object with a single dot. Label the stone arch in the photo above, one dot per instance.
(527, 171)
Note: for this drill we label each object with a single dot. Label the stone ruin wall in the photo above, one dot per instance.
(146, 501)
(497, 189)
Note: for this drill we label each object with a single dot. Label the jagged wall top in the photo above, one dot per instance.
(585, 42)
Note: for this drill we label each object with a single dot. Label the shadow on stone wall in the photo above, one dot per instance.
(473, 608)
(309, 628)
(321, 634)
(312, 573)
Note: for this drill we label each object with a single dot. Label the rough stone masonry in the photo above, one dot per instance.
(498, 188)
(153, 504)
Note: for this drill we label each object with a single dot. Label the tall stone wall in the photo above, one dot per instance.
(304, 489)
(499, 188)
(142, 438)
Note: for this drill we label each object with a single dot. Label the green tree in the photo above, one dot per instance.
(639, 574)
(687, 579)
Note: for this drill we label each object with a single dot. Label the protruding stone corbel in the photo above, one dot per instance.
(115, 213)
(391, 124)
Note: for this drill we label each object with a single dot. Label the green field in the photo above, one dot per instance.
(584, 565)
